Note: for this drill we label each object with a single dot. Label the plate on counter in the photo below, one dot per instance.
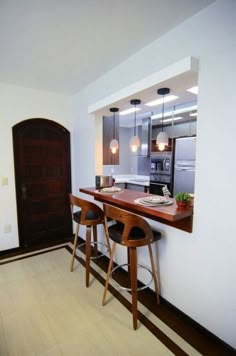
(153, 202)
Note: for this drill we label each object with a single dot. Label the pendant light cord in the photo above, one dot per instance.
(114, 121)
(135, 120)
(162, 113)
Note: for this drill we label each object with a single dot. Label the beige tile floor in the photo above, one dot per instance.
(47, 310)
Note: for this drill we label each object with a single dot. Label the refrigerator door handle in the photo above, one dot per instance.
(185, 169)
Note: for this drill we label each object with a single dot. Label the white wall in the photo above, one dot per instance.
(18, 104)
(198, 269)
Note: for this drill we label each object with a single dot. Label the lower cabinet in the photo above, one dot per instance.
(137, 187)
(120, 185)
(140, 188)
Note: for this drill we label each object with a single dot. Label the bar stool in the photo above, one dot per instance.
(89, 215)
(131, 231)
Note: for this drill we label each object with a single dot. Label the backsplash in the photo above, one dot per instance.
(136, 165)
(143, 166)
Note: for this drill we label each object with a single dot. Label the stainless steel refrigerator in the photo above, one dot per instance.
(184, 165)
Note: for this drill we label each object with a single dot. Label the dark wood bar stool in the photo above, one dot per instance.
(90, 215)
(131, 231)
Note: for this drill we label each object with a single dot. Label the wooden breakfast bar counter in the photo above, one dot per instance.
(170, 215)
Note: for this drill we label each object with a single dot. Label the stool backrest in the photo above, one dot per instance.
(86, 207)
(132, 224)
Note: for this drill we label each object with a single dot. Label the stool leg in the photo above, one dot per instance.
(128, 262)
(109, 272)
(154, 274)
(74, 247)
(133, 275)
(88, 254)
(108, 242)
(95, 239)
(107, 239)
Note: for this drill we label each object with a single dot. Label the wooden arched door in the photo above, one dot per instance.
(43, 181)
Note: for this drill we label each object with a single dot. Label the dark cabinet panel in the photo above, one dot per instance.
(108, 134)
(154, 147)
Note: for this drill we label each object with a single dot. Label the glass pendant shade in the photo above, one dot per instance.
(114, 145)
(162, 139)
(134, 142)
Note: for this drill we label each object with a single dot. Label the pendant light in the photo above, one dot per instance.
(162, 137)
(114, 145)
(134, 142)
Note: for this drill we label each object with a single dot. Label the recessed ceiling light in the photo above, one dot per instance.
(166, 99)
(174, 119)
(129, 111)
(193, 90)
(175, 112)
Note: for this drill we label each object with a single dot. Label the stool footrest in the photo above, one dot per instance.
(101, 254)
(139, 266)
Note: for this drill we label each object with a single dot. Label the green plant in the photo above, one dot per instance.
(182, 197)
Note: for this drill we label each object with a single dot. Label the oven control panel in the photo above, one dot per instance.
(160, 178)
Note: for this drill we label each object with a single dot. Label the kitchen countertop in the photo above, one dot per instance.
(170, 215)
(132, 179)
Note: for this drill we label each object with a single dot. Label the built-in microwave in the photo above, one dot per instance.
(161, 163)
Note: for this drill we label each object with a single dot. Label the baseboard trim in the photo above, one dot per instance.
(12, 252)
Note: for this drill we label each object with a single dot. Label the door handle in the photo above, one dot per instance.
(23, 192)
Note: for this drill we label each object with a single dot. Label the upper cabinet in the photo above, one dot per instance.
(185, 125)
(110, 158)
(145, 130)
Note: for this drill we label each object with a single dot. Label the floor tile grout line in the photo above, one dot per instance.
(180, 342)
(68, 246)
(65, 257)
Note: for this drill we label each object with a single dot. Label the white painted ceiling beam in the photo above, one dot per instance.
(186, 67)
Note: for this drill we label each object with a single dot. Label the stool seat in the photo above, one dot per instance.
(90, 215)
(115, 232)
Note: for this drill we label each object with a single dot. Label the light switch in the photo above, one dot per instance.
(4, 180)
(7, 228)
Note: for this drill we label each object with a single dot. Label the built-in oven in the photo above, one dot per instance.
(157, 182)
(160, 172)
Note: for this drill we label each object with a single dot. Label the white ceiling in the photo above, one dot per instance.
(62, 46)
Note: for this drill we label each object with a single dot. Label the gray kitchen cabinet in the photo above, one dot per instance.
(120, 185)
(137, 187)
